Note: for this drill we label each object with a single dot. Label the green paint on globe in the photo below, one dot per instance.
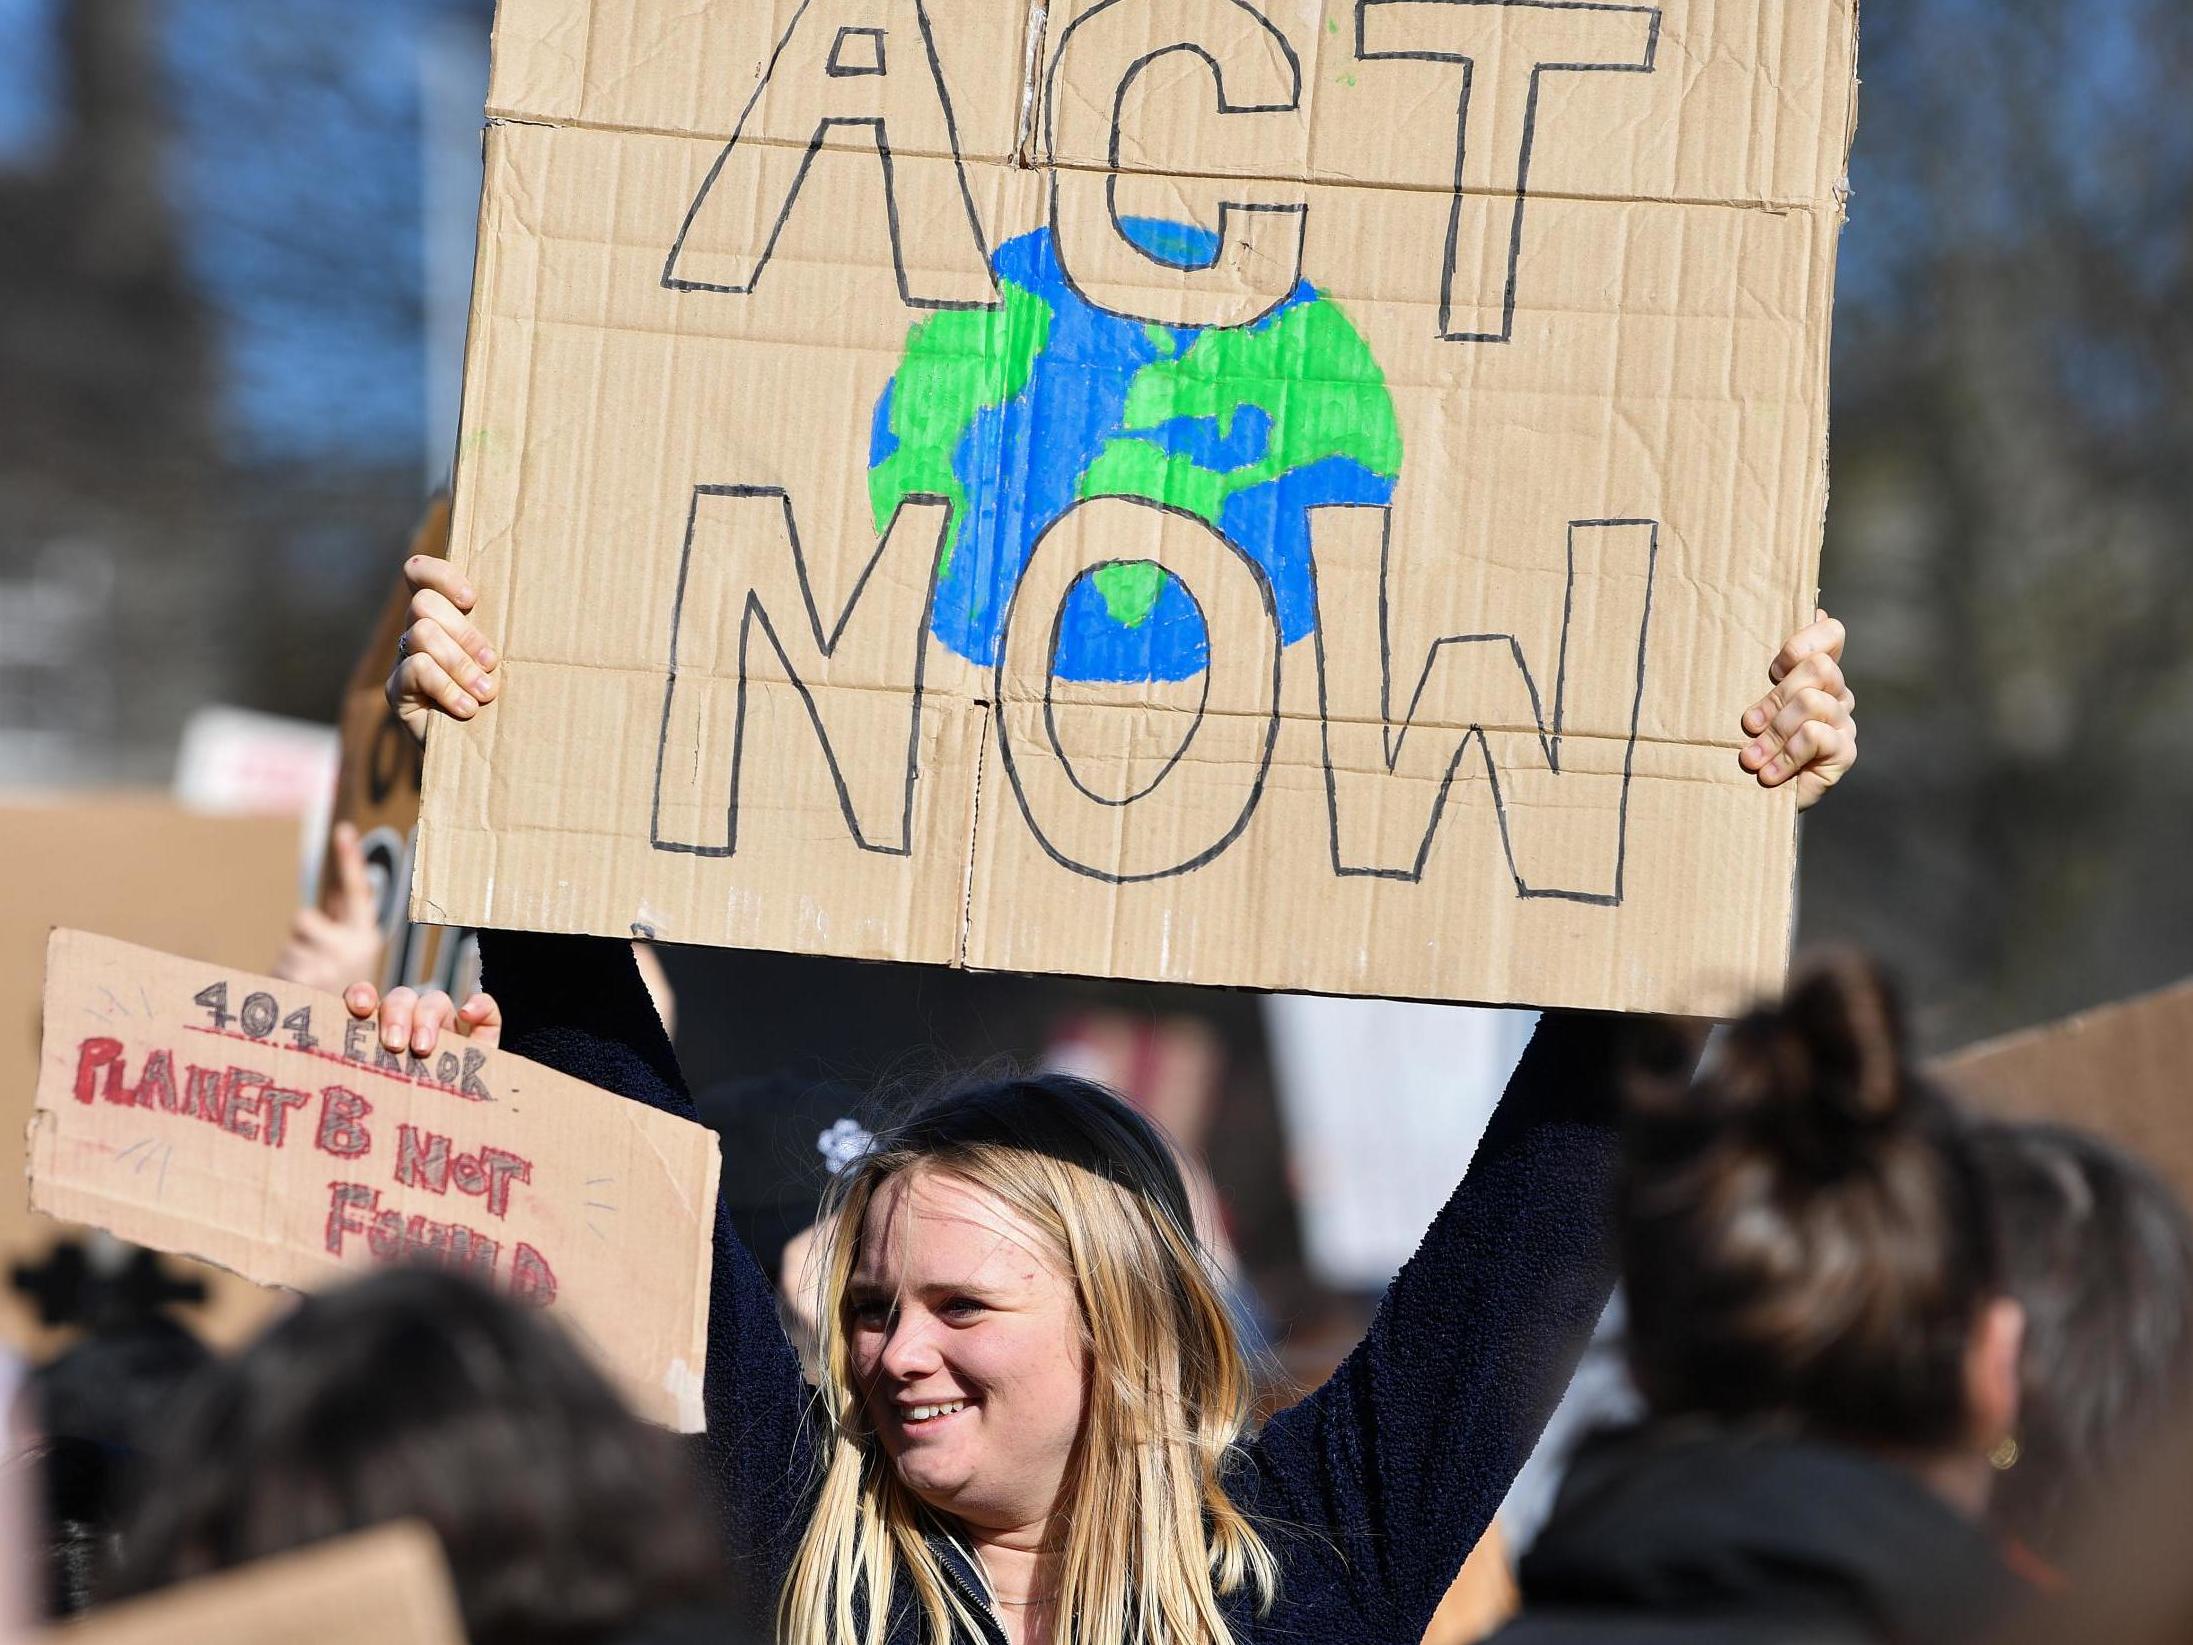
(1015, 414)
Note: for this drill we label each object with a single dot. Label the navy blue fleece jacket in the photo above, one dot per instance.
(1371, 1491)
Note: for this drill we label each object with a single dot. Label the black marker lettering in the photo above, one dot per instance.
(1258, 261)
(1467, 684)
(1492, 151)
(1077, 826)
(865, 70)
(742, 563)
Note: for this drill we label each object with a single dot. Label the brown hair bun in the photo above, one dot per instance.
(1822, 1078)
(1805, 1229)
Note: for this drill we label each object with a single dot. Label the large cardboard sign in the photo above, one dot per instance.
(199, 1109)
(2118, 1069)
(386, 1586)
(1209, 490)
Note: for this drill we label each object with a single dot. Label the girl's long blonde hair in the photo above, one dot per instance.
(1147, 1539)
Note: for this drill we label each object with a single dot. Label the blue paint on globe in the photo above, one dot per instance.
(1024, 463)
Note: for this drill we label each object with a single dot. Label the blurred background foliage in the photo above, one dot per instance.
(2012, 482)
(234, 247)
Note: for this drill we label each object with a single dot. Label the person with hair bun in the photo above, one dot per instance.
(1819, 1325)
(1033, 1420)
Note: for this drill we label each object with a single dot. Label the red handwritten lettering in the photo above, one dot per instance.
(239, 1108)
(346, 1198)
(156, 1086)
(473, 1251)
(93, 1055)
(503, 1168)
(531, 1279)
(470, 1174)
(390, 1236)
(453, 1245)
(280, 1102)
(422, 1159)
(385, 1235)
(342, 1128)
(204, 1096)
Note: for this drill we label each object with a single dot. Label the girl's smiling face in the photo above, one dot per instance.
(967, 1348)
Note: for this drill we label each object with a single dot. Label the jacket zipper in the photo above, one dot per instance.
(982, 1603)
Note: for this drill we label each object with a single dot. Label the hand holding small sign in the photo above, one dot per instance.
(408, 1017)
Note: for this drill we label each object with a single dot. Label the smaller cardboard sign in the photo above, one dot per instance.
(256, 1124)
(2118, 1069)
(386, 1586)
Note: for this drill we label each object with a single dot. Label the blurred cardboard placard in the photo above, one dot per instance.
(377, 792)
(239, 761)
(1204, 490)
(1364, 1193)
(147, 869)
(386, 1586)
(253, 1123)
(2119, 1069)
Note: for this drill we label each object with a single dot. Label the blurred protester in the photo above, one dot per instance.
(2100, 1254)
(784, 1140)
(1033, 1421)
(26, 1556)
(333, 945)
(415, 1394)
(98, 1413)
(1173, 1069)
(1819, 1326)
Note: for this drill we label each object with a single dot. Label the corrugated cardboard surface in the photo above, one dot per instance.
(2118, 1069)
(1588, 251)
(386, 1586)
(254, 1123)
(144, 868)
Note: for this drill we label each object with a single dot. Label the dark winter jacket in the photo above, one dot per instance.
(1711, 1538)
(1371, 1491)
